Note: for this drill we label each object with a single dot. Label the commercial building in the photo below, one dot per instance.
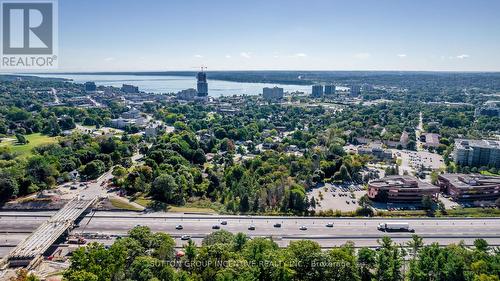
(430, 140)
(401, 189)
(130, 89)
(473, 187)
(477, 153)
(90, 87)
(202, 85)
(187, 95)
(368, 87)
(375, 149)
(274, 93)
(317, 91)
(490, 109)
(355, 90)
(153, 129)
(330, 90)
(131, 114)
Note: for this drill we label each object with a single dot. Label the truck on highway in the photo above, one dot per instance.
(395, 226)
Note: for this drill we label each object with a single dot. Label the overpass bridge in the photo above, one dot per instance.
(29, 252)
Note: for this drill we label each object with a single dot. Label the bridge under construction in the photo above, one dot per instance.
(29, 252)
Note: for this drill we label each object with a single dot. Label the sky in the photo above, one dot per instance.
(155, 35)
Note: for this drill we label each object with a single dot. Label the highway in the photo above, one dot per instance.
(16, 225)
(29, 251)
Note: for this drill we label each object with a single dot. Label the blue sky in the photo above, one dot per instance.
(133, 35)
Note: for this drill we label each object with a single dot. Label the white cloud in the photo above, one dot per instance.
(464, 56)
(300, 55)
(109, 59)
(402, 55)
(246, 55)
(228, 56)
(198, 56)
(362, 56)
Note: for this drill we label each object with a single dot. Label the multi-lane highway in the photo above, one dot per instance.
(14, 225)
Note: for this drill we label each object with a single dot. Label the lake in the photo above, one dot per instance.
(174, 84)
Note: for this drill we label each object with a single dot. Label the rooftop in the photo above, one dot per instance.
(466, 144)
(401, 182)
(470, 180)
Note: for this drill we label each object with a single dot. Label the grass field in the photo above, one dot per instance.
(121, 204)
(202, 206)
(175, 209)
(26, 149)
(473, 212)
(141, 200)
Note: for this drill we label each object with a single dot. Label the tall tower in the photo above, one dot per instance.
(202, 85)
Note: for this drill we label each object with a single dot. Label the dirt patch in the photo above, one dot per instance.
(35, 205)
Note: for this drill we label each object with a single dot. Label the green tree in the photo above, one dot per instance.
(220, 236)
(93, 169)
(240, 239)
(481, 245)
(389, 260)
(8, 186)
(119, 171)
(367, 262)
(81, 275)
(164, 188)
(302, 254)
(21, 139)
(415, 244)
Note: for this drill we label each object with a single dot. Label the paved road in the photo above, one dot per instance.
(362, 231)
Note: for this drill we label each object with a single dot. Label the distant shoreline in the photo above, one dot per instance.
(296, 77)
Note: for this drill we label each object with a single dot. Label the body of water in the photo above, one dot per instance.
(174, 84)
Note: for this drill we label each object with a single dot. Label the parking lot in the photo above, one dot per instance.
(412, 160)
(337, 197)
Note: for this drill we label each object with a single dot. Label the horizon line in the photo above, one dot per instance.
(235, 70)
